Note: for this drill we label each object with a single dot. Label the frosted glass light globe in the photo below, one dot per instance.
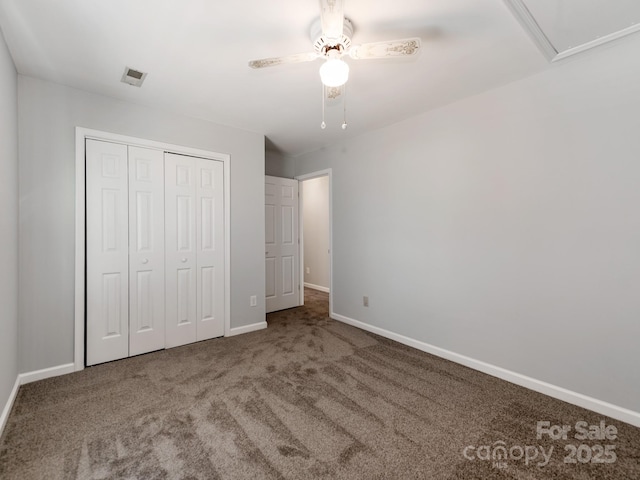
(334, 72)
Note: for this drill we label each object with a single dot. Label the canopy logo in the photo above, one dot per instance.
(498, 453)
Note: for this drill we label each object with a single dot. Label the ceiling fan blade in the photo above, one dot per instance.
(272, 62)
(393, 48)
(332, 19)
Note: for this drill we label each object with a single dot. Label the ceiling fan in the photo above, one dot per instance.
(331, 37)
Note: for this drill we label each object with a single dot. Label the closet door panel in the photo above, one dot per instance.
(180, 249)
(107, 252)
(210, 249)
(146, 250)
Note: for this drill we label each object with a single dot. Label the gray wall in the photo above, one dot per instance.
(8, 224)
(48, 115)
(505, 227)
(278, 165)
(315, 206)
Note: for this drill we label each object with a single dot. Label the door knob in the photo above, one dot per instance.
(184, 260)
(145, 260)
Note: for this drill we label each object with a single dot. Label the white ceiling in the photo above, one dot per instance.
(196, 54)
(571, 23)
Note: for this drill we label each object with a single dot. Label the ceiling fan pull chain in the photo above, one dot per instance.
(344, 108)
(324, 94)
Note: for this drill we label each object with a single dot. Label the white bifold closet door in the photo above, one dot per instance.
(146, 250)
(155, 250)
(194, 249)
(107, 227)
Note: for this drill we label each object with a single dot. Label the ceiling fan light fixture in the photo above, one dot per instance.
(334, 72)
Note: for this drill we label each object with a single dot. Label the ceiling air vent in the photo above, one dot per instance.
(133, 77)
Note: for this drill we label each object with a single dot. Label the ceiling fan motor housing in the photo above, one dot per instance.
(321, 43)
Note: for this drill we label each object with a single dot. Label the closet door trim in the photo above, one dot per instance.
(82, 134)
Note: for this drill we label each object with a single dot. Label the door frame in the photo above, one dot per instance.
(301, 178)
(80, 245)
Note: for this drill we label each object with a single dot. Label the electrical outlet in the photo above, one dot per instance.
(365, 301)
(308, 270)
(253, 301)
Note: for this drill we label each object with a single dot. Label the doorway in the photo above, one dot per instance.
(316, 246)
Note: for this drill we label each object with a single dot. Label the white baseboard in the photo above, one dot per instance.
(46, 373)
(29, 377)
(246, 329)
(316, 287)
(590, 403)
(7, 408)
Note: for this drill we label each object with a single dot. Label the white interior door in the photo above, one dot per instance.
(180, 249)
(281, 248)
(146, 250)
(107, 252)
(209, 248)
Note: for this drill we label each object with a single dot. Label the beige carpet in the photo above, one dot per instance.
(307, 398)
